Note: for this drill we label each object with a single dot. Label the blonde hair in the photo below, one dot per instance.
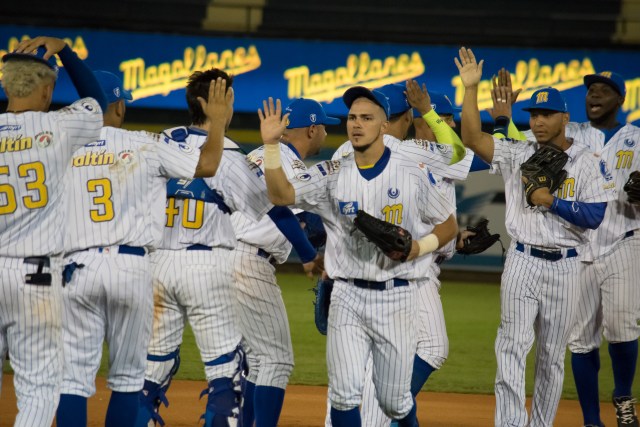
(20, 78)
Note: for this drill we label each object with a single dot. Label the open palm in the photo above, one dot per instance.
(272, 123)
(470, 71)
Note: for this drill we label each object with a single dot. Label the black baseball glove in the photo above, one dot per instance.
(481, 241)
(632, 187)
(393, 241)
(544, 169)
(321, 303)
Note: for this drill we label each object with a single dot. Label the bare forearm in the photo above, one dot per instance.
(472, 135)
(446, 231)
(211, 151)
(280, 190)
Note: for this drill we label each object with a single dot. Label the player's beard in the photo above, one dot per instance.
(364, 147)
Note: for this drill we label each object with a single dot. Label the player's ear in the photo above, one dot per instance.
(120, 108)
(565, 118)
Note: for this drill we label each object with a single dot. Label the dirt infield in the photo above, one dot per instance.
(305, 406)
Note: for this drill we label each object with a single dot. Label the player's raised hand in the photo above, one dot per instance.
(501, 97)
(219, 102)
(504, 80)
(272, 122)
(418, 97)
(52, 44)
(470, 70)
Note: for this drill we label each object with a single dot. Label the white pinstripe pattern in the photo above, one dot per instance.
(610, 298)
(30, 326)
(350, 255)
(109, 299)
(541, 296)
(193, 285)
(263, 318)
(30, 315)
(382, 324)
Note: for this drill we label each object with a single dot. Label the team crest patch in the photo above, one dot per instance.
(303, 177)
(185, 147)
(313, 118)
(348, 208)
(393, 193)
(126, 157)
(87, 106)
(629, 143)
(44, 139)
(605, 171)
(298, 164)
(116, 92)
(443, 148)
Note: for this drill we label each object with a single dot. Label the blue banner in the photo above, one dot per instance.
(155, 68)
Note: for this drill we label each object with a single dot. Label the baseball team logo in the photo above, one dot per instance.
(116, 92)
(313, 118)
(605, 171)
(348, 208)
(629, 143)
(44, 139)
(185, 147)
(393, 193)
(542, 97)
(126, 157)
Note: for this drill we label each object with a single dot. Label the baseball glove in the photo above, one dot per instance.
(321, 303)
(393, 241)
(632, 187)
(544, 169)
(481, 241)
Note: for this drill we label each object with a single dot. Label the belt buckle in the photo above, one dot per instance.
(551, 255)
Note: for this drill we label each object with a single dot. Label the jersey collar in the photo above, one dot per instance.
(378, 167)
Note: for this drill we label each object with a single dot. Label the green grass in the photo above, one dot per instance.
(472, 312)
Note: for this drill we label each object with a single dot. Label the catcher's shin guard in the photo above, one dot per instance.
(224, 396)
(154, 394)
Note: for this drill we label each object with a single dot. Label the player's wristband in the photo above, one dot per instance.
(501, 125)
(272, 156)
(428, 244)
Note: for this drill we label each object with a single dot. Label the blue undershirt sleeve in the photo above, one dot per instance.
(477, 164)
(582, 214)
(82, 77)
(289, 225)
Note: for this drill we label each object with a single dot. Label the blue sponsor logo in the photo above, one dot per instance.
(393, 193)
(604, 171)
(9, 128)
(629, 143)
(98, 143)
(348, 208)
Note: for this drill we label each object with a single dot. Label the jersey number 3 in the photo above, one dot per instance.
(101, 200)
(34, 182)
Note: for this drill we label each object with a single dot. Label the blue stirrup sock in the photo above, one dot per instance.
(624, 356)
(410, 420)
(123, 409)
(421, 372)
(248, 412)
(72, 411)
(585, 367)
(268, 405)
(350, 418)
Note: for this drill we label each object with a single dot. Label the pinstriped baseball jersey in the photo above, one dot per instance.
(36, 148)
(402, 194)
(264, 234)
(191, 221)
(118, 188)
(585, 182)
(435, 155)
(622, 156)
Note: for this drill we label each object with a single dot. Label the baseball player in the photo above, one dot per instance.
(118, 191)
(432, 111)
(261, 310)
(192, 270)
(540, 282)
(373, 298)
(610, 298)
(36, 148)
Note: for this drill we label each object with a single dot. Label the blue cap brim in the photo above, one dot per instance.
(127, 95)
(331, 121)
(529, 109)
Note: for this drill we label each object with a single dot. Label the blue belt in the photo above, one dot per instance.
(629, 234)
(199, 247)
(378, 286)
(547, 255)
(128, 250)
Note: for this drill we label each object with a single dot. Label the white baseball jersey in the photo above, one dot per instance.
(191, 221)
(621, 156)
(36, 148)
(118, 188)
(586, 182)
(264, 234)
(401, 194)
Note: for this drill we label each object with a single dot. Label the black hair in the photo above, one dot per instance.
(198, 86)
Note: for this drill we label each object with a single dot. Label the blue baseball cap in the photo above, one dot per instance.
(547, 99)
(112, 86)
(362, 92)
(306, 112)
(441, 104)
(612, 79)
(37, 57)
(398, 103)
